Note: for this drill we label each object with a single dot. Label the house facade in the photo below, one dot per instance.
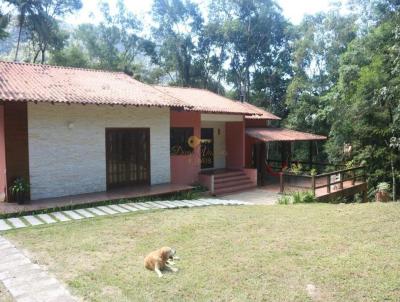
(69, 131)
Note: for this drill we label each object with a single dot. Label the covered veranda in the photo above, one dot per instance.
(282, 169)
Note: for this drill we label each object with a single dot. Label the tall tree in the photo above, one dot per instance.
(320, 41)
(256, 47)
(39, 20)
(4, 20)
(113, 44)
(176, 36)
(366, 102)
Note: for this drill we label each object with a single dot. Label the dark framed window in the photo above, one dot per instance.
(180, 141)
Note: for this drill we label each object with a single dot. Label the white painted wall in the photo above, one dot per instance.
(219, 143)
(64, 161)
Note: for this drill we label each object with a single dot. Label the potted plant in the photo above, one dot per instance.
(19, 190)
(382, 192)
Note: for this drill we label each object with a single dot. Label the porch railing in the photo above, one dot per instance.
(328, 182)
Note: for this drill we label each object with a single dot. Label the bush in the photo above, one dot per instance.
(297, 197)
(284, 200)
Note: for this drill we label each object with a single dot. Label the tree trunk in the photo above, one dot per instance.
(19, 37)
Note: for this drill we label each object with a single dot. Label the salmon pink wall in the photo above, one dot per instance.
(256, 123)
(3, 176)
(235, 138)
(185, 169)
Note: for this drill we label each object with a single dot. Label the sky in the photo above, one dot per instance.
(294, 10)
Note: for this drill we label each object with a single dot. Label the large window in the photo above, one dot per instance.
(180, 141)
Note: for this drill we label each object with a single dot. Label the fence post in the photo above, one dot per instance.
(212, 185)
(354, 177)
(341, 175)
(328, 181)
(282, 189)
(313, 184)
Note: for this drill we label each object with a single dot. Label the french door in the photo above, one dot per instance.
(128, 157)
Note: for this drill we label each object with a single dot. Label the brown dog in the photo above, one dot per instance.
(160, 260)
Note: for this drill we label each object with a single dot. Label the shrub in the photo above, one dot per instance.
(297, 197)
(284, 200)
(296, 169)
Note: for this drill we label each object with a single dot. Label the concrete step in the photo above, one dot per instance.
(228, 174)
(242, 177)
(232, 183)
(234, 189)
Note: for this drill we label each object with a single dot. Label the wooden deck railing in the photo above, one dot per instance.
(320, 181)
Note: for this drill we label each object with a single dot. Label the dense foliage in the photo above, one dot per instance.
(334, 74)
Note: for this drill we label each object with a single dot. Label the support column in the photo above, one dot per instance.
(263, 154)
(311, 154)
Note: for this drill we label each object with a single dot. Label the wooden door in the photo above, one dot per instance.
(128, 157)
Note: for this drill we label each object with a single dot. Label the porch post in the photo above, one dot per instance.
(263, 154)
(283, 153)
(311, 154)
(289, 153)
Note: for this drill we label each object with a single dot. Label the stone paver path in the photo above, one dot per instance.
(26, 281)
(40, 219)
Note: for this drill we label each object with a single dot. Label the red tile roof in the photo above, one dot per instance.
(207, 101)
(282, 135)
(44, 83)
(262, 114)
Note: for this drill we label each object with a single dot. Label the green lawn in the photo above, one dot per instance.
(246, 253)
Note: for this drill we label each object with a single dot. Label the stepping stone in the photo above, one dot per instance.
(203, 202)
(150, 205)
(215, 201)
(84, 213)
(165, 204)
(33, 220)
(187, 204)
(96, 211)
(170, 204)
(128, 207)
(138, 206)
(46, 218)
(156, 205)
(199, 203)
(144, 205)
(17, 223)
(178, 204)
(118, 208)
(190, 202)
(4, 226)
(60, 216)
(107, 210)
(73, 215)
(183, 203)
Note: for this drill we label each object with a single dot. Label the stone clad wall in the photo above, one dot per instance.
(67, 153)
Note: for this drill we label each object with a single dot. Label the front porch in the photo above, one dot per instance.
(92, 198)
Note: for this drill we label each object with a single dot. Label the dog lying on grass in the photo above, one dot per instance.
(160, 260)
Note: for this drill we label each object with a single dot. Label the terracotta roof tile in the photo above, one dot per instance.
(282, 135)
(207, 101)
(263, 114)
(44, 83)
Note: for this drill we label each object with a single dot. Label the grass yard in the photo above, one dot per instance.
(315, 252)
